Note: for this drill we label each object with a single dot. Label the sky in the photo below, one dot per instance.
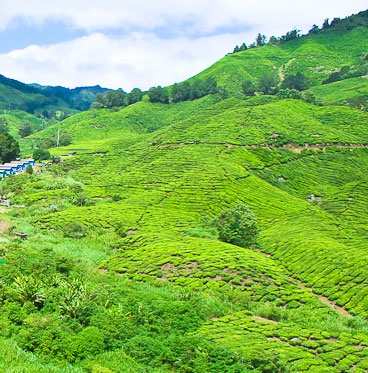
(142, 43)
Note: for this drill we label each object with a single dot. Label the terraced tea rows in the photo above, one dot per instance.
(288, 345)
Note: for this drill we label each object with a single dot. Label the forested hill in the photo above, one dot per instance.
(45, 101)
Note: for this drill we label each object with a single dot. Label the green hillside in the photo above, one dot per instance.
(123, 269)
(350, 92)
(317, 56)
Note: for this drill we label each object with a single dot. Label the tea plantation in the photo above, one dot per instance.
(123, 269)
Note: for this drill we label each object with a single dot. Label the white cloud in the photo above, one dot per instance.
(204, 15)
(138, 60)
(140, 57)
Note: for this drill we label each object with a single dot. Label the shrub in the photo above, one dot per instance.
(41, 154)
(29, 169)
(75, 230)
(238, 226)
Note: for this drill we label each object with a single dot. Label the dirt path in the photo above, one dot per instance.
(294, 147)
(283, 68)
(340, 310)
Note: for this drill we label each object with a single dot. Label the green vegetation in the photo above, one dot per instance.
(125, 267)
(238, 226)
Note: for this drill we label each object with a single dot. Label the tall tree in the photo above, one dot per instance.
(9, 148)
(25, 129)
(260, 40)
(3, 125)
(158, 94)
(268, 84)
(180, 92)
(134, 96)
(298, 82)
(248, 88)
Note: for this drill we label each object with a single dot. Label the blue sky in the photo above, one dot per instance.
(125, 44)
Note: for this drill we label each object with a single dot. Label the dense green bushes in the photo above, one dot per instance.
(238, 226)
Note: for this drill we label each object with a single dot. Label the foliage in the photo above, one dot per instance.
(9, 148)
(298, 82)
(238, 226)
(75, 230)
(110, 99)
(29, 169)
(249, 88)
(4, 125)
(180, 92)
(158, 94)
(268, 84)
(41, 154)
(290, 35)
(289, 94)
(25, 129)
(261, 40)
(134, 96)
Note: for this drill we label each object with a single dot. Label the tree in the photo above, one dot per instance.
(115, 98)
(64, 138)
(236, 49)
(248, 88)
(180, 92)
(134, 96)
(325, 24)
(110, 99)
(273, 40)
(243, 47)
(158, 94)
(238, 226)
(289, 93)
(25, 129)
(298, 82)
(41, 154)
(260, 40)
(9, 148)
(3, 125)
(268, 84)
(290, 35)
(210, 86)
(197, 90)
(314, 30)
(309, 97)
(29, 169)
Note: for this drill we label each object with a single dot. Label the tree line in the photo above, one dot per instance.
(346, 24)
(179, 92)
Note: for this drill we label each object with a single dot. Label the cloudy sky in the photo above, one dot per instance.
(142, 43)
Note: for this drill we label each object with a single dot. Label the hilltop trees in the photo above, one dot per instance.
(180, 92)
(134, 96)
(290, 35)
(261, 40)
(109, 99)
(158, 94)
(186, 91)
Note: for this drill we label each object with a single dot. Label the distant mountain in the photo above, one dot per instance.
(79, 98)
(45, 101)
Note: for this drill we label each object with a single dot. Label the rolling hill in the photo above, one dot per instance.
(123, 269)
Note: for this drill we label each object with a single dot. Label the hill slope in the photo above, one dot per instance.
(123, 269)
